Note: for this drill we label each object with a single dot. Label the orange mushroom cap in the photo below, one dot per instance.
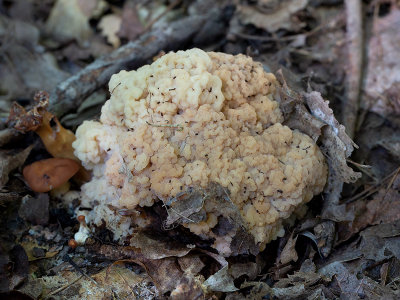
(45, 175)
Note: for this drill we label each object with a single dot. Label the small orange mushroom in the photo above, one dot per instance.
(45, 175)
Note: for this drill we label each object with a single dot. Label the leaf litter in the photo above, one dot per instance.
(349, 247)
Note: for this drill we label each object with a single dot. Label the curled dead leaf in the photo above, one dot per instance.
(30, 120)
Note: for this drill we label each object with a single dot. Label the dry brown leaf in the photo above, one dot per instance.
(14, 268)
(115, 281)
(274, 15)
(382, 83)
(68, 21)
(110, 26)
(321, 124)
(289, 252)
(23, 120)
(9, 161)
(35, 209)
(155, 248)
(384, 208)
(130, 25)
(222, 281)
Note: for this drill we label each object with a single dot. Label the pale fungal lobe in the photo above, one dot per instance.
(189, 119)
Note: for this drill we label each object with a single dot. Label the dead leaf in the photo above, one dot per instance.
(191, 264)
(25, 67)
(165, 272)
(110, 26)
(35, 210)
(23, 120)
(88, 110)
(289, 252)
(156, 248)
(14, 268)
(6, 135)
(9, 161)
(381, 241)
(188, 288)
(131, 26)
(249, 269)
(335, 144)
(29, 246)
(221, 281)
(382, 87)
(190, 208)
(273, 15)
(114, 281)
(68, 21)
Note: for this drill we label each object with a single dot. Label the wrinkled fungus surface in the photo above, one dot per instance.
(191, 119)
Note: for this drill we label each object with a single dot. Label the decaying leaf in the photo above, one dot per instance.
(56, 139)
(382, 85)
(131, 26)
(68, 21)
(24, 66)
(273, 15)
(110, 26)
(189, 209)
(35, 210)
(14, 268)
(155, 248)
(23, 120)
(31, 248)
(221, 281)
(289, 253)
(383, 208)
(321, 124)
(126, 284)
(9, 161)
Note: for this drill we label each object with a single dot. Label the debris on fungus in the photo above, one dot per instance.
(202, 132)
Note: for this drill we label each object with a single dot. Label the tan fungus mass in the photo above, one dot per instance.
(189, 119)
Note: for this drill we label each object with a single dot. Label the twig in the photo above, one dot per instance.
(69, 94)
(68, 259)
(354, 36)
(64, 286)
(177, 126)
(167, 10)
(374, 188)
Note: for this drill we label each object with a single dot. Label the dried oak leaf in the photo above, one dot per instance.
(382, 87)
(110, 26)
(187, 207)
(68, 21)
(14, 268)
(274, 15)
(131, 26)
(9, 161)
(30, 120)
(289, 252)
(310, 113)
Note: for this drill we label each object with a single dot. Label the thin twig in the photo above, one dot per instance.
(354, 36)
(167, 10)
(64, 286)
(177, 126)
(373, 188)
(68, 259)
